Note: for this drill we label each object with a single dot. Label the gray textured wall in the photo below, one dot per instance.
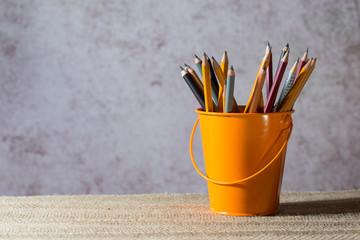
(92, 101)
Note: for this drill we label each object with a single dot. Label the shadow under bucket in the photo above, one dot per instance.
(244, 160)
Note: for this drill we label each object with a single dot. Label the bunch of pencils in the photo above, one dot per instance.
(215, 93)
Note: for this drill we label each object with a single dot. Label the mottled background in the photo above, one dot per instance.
(92, 101)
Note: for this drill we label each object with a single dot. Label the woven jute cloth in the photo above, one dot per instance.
(302, 215)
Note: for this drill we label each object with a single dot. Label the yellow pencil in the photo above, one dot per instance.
(207, 85)
(264, 63)
(258, 90)
(295, 91)
(222, 79)
(225, 64)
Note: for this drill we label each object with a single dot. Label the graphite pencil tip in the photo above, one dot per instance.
(205, 55)
(181, 68)
(186, 65)
(307, 50)
(287, 45)
(232, 68)
(298, 59)
(269, 44)
(196, 56)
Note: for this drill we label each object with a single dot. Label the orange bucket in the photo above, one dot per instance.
(244, 160)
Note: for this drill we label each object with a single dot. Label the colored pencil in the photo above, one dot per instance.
(195, 77)
(198, 63)
(287, 85)
(298, 86)
(225, 64)
(207, 85)
(222, 80)
(229, 90)
(264, 63)
(269, 73)
(214, 82)
(258, 89)
(284, 50)
(194, 88)
(275, 87)
(302, 63)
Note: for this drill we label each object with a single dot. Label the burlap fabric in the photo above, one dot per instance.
(305, 215)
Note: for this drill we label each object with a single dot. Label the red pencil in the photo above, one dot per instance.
(269, 73)
(302, 63)
(275, 87)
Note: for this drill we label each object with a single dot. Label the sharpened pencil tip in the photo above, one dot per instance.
(225, 52)
(196, 56)
(206, 55)
(297, 60)
(307, 50)
(287, 45)
(232, 68)
(269, 44)
(212, 57)
(181, 68)
(186, 65)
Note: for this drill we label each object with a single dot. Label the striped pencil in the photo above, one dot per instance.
(275, 87)
(287, 86)
(298, 86)
(229, 90)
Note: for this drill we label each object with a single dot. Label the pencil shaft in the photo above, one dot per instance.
(295, 91)
(287, 86)
(269, 77)
(229, 93)
(207, 86)
(300, 67)
(194, 88)
(275, 87)
(225, 64)
(264, 63)
(258, 90)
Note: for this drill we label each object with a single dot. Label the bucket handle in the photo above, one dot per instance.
(244, 179)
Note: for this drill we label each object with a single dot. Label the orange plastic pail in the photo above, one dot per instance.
(244, 160)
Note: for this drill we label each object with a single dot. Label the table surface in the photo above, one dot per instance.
(302, 215)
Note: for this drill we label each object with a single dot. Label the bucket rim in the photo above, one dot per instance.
(201, 111)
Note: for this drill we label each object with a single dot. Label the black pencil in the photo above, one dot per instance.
(199, 95)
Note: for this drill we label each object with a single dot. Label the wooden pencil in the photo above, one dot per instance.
(269, 73)
(222, 80)
(295, 91)
(198, 64)
(284, 50)
(258, 89)
(264, 63)
(287, 85)
(225, 64)
(195, 77)
(207, 85)
(229, 90)
(194, 88)
(275, 87)
(302, 63)
(214, 82)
